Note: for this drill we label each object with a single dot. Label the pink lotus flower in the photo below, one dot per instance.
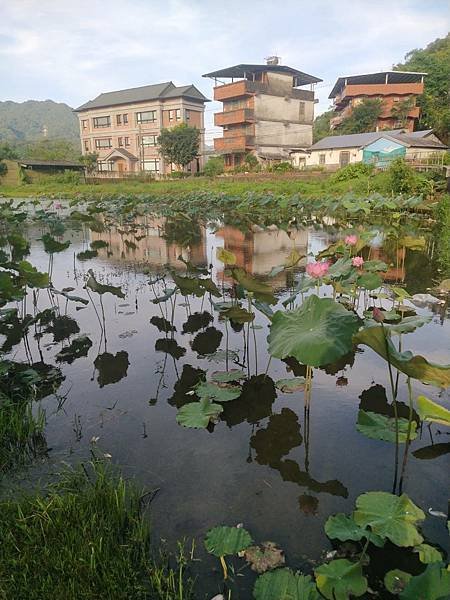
(357, 261)
(351, 240)
(377, 315)
(317, 269)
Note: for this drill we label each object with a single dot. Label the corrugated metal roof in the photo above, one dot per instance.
(142, 94)
(376, 78)
(241, 71)
(359, 140)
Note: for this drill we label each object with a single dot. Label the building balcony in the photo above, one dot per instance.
(379, 89)
(238, 143)
(233, 117)
(244, 88)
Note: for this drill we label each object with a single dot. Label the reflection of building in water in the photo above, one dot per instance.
(145, 243)
(395, 260)
(260, 250)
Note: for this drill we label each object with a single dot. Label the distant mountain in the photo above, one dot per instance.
(35, 120)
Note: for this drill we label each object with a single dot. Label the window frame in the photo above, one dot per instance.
(96, 125)
(149, 135)
(155, 161)
(118, 119)
(140, 120)
(322, 159)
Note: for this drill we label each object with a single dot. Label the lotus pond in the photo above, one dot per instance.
(263, 374)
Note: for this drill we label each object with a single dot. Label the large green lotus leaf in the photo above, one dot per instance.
(413, 243)
(408, 324)
(222, 541)
(369, 281)
(375, 265)
(341, 269)
(381, 427)
(238, 314)
(340, 579)
(228, 376)
(317, 333)
(342, 527)
(291, 384)
(188, 285)
(396, 580)
(209, 285)
(100, 288)
(433, 412)
(283, 584)
(213, 391)
(226, 256)
(416, 367)
(32, 276)
(400, 293)
(428, 554)
(261, 290)
(198, 414)
(390, 516)
(432, 584)
(52, 245)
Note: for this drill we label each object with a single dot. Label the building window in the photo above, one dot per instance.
(119, 119)
(175, 114)
(187, 115)
(127, 141)
(321, 159)
(301, 110)
(86, 145)
(396, 99)
(101, 122)
(149, 140)
(103, 143)
(150, 165)
(120, 142)
(84, 124)
(125, 119)
(104, 166)
(146, 117)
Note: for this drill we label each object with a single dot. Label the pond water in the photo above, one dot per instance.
(265, 463)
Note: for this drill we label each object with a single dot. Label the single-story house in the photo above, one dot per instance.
(422, 148)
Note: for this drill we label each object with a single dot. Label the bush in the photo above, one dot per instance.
(352, 171)
(178, 175)
(401, 178)
(215, 166)
(69, 177)
(281, 167)
(3, 168)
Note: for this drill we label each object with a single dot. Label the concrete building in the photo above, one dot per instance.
(422, 149)
(122, 127)
(398, 91)
(264, 112)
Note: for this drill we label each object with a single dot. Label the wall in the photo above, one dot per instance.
(279, 121)
(332, 157)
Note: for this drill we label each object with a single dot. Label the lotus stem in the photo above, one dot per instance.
(224, 567)
(408, 434)
(394, 403)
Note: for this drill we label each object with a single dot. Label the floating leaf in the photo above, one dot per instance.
(100, 288)
(369, 281)
(210, 286)
(162, 324)
(342, 527)
(226, 256)
(284, 584)
(188, 285)
(396, 580)
(428, 554)
(228, 376)
(78, 348)
(261, 290)
(52, 245)
(340, 579)
(168, 293)
(265, 557)
(390, 516)
(238, 314)
(197, 321)
(213, 391)
(197, 415)
(317, 333)
(170, 347)
(416, 367)
(433, 412)
(291, 384)
(432, 584)
(409, 324)
(222, 541)
(381, 427)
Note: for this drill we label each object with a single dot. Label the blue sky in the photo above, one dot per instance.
(71, 50)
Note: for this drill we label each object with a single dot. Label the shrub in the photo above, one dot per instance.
(215, 166)
(69, 177)
(3, 168)
(352, 171)
(401, 178)
(281, 167)
(178, 175)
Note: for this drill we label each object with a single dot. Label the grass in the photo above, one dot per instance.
(86, 538)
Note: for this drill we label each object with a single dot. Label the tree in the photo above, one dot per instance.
(90, 162)
(321, 125)
(363, 118)
(401, 109)
(435, 101)
(7, 152)
(179, 145)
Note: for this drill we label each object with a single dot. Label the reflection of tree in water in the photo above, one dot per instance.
(197, 321)
(188, 379)
(207, 342)
(308, 504)
(170, 347)
(375, 400)
(340, 364)
(254, 404)
(62, 327)
(182, 230)
(111, 368)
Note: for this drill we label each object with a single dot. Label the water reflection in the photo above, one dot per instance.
(111, 367)
(254, 404)
(207, 342)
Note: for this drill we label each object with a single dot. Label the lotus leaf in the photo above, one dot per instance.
(433, 412)
(261, 290)
(213, 391)
(340, 579)
(97, 244)
(396, 580)
(188, 285)
(197, 415)
(390, 516)
(317, 333)
(78, 348)
(222, 541)
(428, 554)
(87, 254)
(69, 296)
(209, 285)
(400, 293)
(52, 245)
(381, 427)
(413, 243)
(100, 288)
(342, 527)
(32, 276)
(291, 384)
(416, 367)
(409, 324)
(238, 314)
(226, 256)
(432, 584)
(168, 293)
(369, 281)
(341, 269)
(284, 584)
(228, 376)
(162, 324)
(375, 265)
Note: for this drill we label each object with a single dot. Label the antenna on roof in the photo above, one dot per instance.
(273, 60)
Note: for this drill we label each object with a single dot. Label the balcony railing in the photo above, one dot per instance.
(378, 89)
(248, 88)
(238, 143)
(231, 117)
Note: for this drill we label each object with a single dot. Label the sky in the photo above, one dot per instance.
(72, 50)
